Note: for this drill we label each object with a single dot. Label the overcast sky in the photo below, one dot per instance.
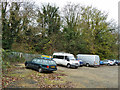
(109, 6)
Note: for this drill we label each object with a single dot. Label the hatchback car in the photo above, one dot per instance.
(41, 65)
(108, 62)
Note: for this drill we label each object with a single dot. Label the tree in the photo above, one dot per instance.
(97, 31)
(49, 19)
(10, 23)
(73, 42)
(49, 26)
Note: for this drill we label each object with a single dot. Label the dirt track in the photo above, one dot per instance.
(90, 77)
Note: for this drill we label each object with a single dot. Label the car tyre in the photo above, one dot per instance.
(76, 67)
(87, 64)
(68, 65)
(40, 70)
(26, 65)
(108, 64)
(116, 64)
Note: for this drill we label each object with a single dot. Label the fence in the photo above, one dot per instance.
(28, 57)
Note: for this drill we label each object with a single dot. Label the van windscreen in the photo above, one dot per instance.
(71, 57)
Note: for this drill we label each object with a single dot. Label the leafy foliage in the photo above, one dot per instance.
(76, 29)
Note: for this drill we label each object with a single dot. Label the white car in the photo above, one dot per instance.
(65, 59)
(108, 62)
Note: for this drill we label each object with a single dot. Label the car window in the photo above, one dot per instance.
(34, 60)
(111, 60)
(41, 61)
(105, 60)
(52, 63)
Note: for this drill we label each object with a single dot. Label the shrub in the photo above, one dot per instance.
(9, 58)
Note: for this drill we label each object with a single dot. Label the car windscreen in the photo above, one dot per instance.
(45, 62)
(105, 60)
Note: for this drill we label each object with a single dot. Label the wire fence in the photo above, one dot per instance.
(26, 56)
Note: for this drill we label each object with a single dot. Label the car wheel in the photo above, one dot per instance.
(116, 64)
(68, 65)
(87, 64)
(76, 67)
(40, 70)
(51, 71)
(108, 64)
(26, 65)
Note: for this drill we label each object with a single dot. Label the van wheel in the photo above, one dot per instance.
(68, 65)
(87, 64)
(40, 70)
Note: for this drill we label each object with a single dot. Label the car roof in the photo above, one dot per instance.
(42, 59)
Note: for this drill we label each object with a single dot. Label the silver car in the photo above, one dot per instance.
(108, 62)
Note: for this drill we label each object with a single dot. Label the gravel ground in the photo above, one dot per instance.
(20, 77)
(83, 77)
(90, 77)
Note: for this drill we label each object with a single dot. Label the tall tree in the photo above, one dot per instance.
(96, 31)
(73, 41)
(10, 23)
(49, 19)
(49, 26)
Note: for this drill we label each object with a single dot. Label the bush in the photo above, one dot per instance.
(9, 58)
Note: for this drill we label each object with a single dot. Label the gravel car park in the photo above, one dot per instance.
(83, 77)
(89, 77)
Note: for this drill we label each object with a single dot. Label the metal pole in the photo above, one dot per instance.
(119, 30)
(119, 43)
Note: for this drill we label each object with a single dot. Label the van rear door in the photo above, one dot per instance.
(97, 59)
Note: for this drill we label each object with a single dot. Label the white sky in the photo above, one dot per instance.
(109, 6)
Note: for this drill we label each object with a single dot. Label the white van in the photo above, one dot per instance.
(89, 60)
(65, 59)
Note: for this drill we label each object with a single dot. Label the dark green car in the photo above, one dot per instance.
(41, 65)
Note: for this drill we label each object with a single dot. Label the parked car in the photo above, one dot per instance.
(113, 61)
(41, 65)
(117, 62)
(101, 63)
(89, 60)
(66, 59)
(80, 62)
(108, 62)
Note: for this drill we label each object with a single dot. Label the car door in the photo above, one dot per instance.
(37, 63)
(33, 63)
